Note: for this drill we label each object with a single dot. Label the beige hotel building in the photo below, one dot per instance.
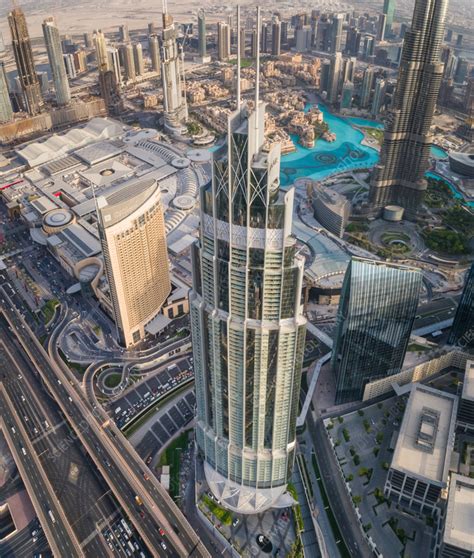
(132, 232)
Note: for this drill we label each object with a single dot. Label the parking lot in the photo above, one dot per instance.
(147, 391)
(174, 419)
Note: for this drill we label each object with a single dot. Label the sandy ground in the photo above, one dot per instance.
(87, 15)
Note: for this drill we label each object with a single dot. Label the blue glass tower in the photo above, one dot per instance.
(375, 317)
(462, 332)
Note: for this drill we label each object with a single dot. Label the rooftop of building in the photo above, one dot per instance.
(468, 385)
(458, 527)
(330, 197)
(426, 438)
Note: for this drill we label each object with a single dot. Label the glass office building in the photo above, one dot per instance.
(462, 332)
(248, 329)
(375, 317)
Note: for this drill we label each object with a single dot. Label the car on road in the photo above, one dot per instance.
(163, 545)
(161, 531)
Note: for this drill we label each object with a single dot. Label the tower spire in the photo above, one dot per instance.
(257, 72)
(238, 56)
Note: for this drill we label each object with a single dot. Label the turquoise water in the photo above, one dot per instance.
(438, 152)
(345, 154)
(342, 155)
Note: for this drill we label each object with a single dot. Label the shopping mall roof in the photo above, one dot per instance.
(328, 258)
(57, 146)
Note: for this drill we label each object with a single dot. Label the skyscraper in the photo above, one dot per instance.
(248, 328)
(264, 37)
(174, 101)
(128, 62)
(347, 94)
(379, 97)
(110, 92)
(399, 176)
(336, 33)
(367, 83)
(334, 77)
(56, 62)
(6, 110)
(30, 86)
(223, 40)
(389, 10)
(114, 64)
(462, 331)
(124, 34)
(88, 40)
(69, 66)
(202, 45)
(374, 320)
(132, 234)
(276, 38)
(154, 51)
(101, 50)
(382, 27)
(138, 58)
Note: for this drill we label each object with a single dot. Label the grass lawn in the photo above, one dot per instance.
(375, 133)
(416, 348)
(113, 380)
(244, 62)
(48, 309)
(171, 457)
(224, 516)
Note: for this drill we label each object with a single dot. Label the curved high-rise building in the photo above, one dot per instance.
(248, 328)
(132, 233)
(374, 321)
(29, 82)
(56, 62)
(174, 101)
(6, 109)
(399, 176)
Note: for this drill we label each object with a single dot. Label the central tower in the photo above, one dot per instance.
(247, 324)
(174, 100)
(404, 157)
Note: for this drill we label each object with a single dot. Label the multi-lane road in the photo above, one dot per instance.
(147, 504)
(61, 538)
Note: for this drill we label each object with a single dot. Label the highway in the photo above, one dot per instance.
(85, 497)
(59, 534)
(115, 458)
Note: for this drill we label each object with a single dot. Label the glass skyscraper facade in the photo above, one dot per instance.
(248, 329)
(462, 332)
(375, 317)
(55, 56)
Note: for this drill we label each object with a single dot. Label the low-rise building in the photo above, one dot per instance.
(466, 404)
(457, 540)
(419, 470)
(331, 209)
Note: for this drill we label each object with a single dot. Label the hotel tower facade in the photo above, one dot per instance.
(399, 176)
(248, 329)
